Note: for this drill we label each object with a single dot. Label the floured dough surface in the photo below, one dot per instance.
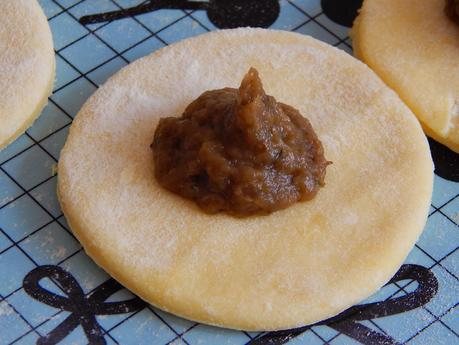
(293, 267)
(27, 66)
(414, 47)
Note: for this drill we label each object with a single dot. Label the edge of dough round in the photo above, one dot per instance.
(38, 35)
(167, 293)
(439, 118)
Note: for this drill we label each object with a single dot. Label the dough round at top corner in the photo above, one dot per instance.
(27, 66)
(294, 267)
(414, 47)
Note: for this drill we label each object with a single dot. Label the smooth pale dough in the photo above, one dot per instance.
(414, 48)
(27, 66)
(293, 267)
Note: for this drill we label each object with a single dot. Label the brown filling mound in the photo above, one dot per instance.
(239, 151)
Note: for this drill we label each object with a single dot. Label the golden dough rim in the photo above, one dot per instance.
(359, 54)
(357, 39)
(161, 302)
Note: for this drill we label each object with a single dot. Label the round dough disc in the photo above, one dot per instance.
(27, 66)
(293, 267)
(414, 47)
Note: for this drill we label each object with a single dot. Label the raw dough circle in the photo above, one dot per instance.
(293, 267)
(27, 66)
(414, 47)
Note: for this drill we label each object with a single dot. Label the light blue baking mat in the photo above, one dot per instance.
(51, 292)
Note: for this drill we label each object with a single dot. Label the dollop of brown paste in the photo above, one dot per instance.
(452, 10)
(239, 151)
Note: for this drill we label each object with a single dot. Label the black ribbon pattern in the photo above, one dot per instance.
(224, 14)
(85, 308)
(342, 12)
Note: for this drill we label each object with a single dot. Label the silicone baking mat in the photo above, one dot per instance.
(51, 292)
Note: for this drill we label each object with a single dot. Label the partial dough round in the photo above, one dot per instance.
(293, 267)
(414, 48)
(27, 66)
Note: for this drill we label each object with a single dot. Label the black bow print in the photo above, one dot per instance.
(224, 14)
(347, 322)
(83, 308)
(341, 11)
(446, 161)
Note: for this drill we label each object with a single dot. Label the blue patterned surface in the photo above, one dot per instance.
(33, 231)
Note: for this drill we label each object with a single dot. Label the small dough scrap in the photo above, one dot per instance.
(27, 66)
(414, 47)
(294, 267)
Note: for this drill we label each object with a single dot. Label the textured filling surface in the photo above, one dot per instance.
(239, 151)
